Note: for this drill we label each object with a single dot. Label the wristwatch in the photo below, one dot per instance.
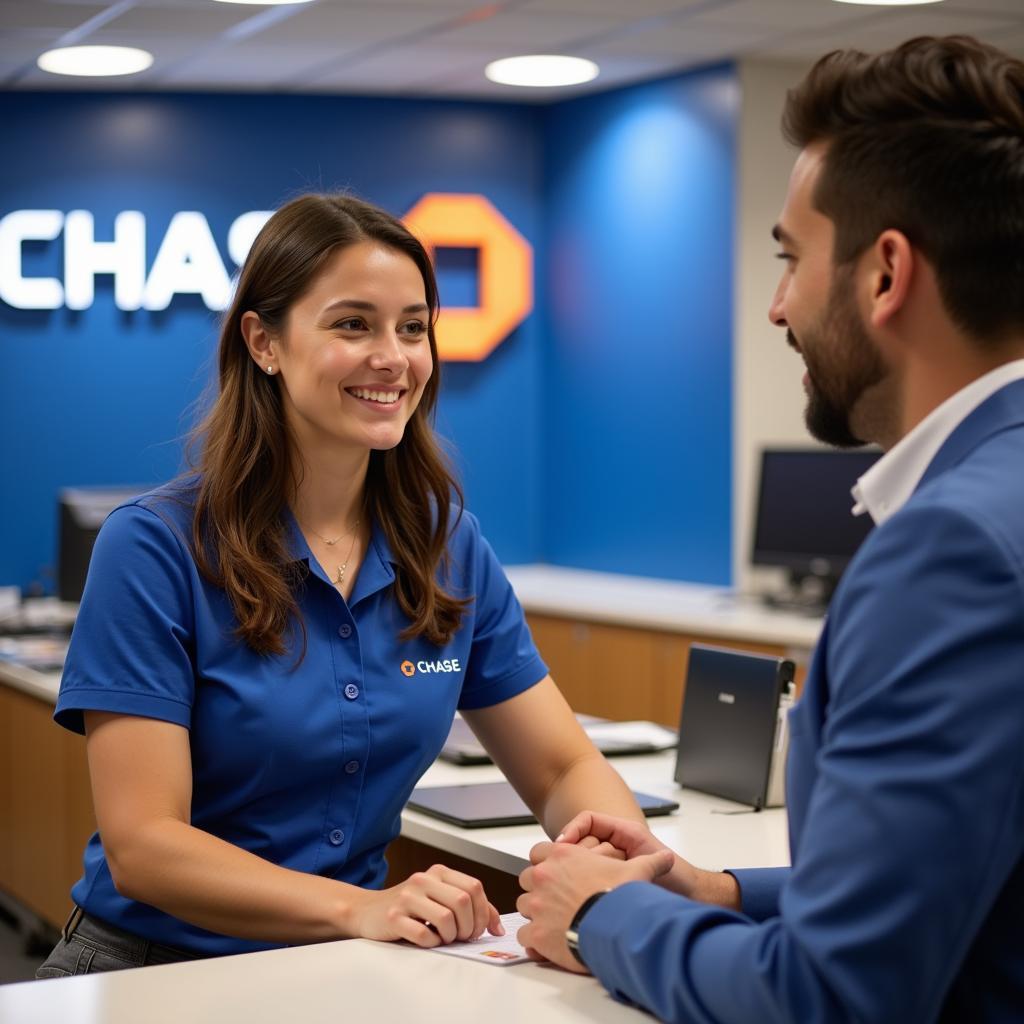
(572, 933)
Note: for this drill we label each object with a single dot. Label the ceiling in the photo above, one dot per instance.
(439, 47)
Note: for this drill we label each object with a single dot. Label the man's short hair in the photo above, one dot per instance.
(927, 139)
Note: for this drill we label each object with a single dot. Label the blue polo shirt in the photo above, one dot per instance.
(310, 766)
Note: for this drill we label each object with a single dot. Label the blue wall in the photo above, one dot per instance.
(97, 396)
(637, 434)
(597, 435)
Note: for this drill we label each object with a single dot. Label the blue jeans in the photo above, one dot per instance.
(89, 945)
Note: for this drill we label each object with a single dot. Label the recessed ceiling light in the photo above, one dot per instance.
(541, 70)
(888, 3)
(95, 61)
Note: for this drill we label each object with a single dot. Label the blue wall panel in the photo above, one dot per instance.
(636, 427)
(98, 396)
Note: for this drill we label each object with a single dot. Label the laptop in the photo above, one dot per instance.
(490, 804)
(611, 738)
(733, 713)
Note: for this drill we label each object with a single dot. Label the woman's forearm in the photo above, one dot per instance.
(208, 882)
(589, 783)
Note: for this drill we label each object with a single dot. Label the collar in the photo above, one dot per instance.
(886, 487)
(376, 572)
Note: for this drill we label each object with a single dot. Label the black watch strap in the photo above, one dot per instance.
(572, 933)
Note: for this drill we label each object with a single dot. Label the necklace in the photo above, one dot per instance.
(343, 568)
(344, 565)
(331, 543)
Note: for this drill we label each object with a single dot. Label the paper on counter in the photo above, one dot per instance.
(499, 950)
(640, 733)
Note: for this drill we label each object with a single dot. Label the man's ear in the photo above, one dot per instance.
(257, 340)
(889, 266)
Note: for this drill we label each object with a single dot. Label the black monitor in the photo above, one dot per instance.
(81, 513)
(804, 522)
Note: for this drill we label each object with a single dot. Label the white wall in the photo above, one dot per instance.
(768, 397)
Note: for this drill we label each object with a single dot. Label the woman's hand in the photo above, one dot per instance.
(430, 908)
(627, 838)
(630, 839)
(595, 845)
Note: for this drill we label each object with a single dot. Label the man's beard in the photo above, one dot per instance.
(842, 363)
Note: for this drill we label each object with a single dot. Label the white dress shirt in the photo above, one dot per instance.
(885, 488)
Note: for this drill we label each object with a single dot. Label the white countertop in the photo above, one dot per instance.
(658, 604)
(361, 980)
(333, 982)
(41, 685)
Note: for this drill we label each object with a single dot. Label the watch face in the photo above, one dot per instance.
(572, 940)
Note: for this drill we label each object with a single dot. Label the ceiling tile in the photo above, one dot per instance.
(58, 17)
(615, 72)
(344, 23)
(881, 33)
(984, 8)
(200, 19)
(625, 10)
(686, 40)
(401, 67)
(785, 16)
(526, 32)
(448, 8)
(439, 47)
(248, 64)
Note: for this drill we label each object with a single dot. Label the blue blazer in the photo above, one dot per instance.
(905, 902)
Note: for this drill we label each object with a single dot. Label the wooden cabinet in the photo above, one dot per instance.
(624, 672)
(46, 812)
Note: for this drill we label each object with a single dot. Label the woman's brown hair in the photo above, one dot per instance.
(245, 470)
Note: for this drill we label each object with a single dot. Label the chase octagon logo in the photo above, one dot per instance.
(444, 667)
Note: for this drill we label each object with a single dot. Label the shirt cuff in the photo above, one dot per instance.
(759, 890)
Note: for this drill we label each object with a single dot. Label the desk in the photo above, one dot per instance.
(617, 646)
(361, 980)
(355, 980)
(710, 832)
(45, 800)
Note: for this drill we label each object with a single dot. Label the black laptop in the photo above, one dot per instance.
(490, 804)
(728, 727)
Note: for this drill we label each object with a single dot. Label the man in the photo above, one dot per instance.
(903, 289)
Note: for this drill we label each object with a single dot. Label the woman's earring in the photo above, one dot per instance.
(270, 369)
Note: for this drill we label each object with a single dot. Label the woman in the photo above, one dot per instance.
(269, 653)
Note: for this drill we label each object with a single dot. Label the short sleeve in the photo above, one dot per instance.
(131, 649)
(503, 660)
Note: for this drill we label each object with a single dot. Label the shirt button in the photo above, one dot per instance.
(345, 631)
(351, 767)
(351, 691)
(337, 837)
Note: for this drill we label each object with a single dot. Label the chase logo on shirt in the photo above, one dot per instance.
(445, 666)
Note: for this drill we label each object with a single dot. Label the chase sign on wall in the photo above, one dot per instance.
(188, 261)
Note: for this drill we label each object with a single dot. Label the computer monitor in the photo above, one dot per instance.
(803, 521)
(81, 511)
